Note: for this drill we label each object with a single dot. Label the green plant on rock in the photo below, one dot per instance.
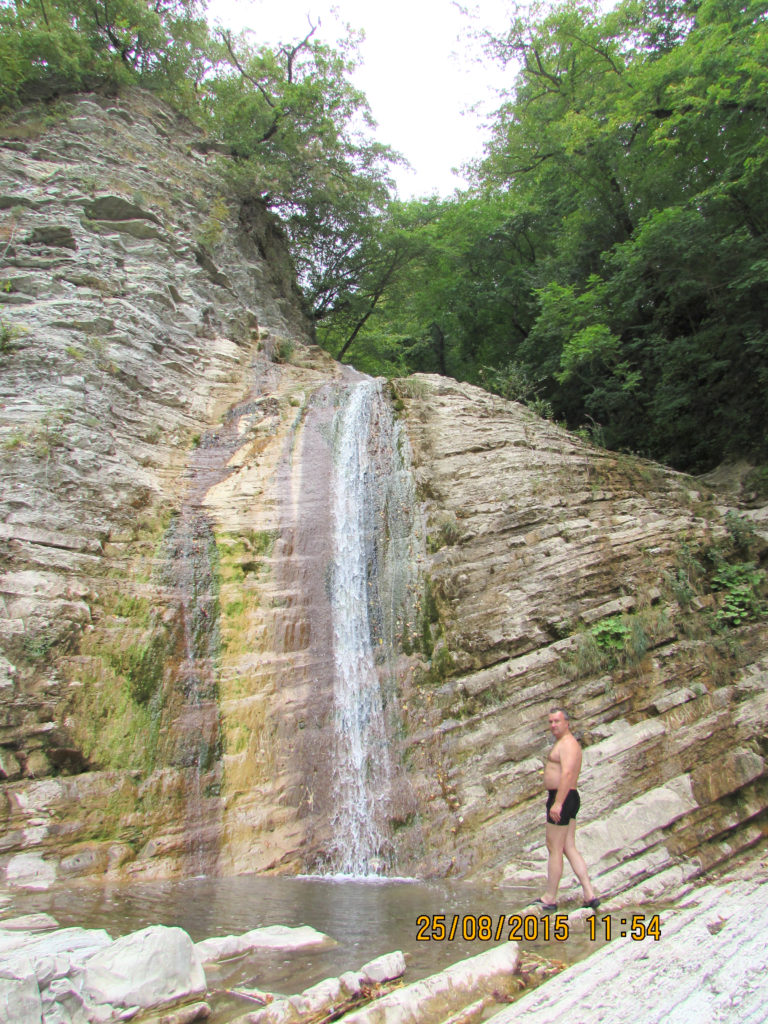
(742, 535)
(15, 441)
(739, 583)
(686, 579)
(757, 481)
(48, 434)
(283, 350)
(9, 335)
(132, 606)
(614, 641)
(447, 531)
(611, 634)
(515, 382)
(37, 646)
(431, 628)
(141, 665)
(211, 232)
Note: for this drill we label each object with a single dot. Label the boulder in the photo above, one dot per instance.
(29, 923)
(331, 995)
(274, 936)
(19, 995)
(433, 999)
(30, 871)
(148, 968)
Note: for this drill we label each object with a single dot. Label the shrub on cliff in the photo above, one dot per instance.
(297, 131)
(46, 47)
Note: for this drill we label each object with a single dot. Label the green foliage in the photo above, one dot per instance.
(611, 634)
(283, 350)
(131, 606)
(684, 579)
(446, 531)
(141, 665)
(604, 645)
(297, 132)
(431, 628)
(297, 129)
(617, 641)
(213, 228)
(721, 569)
(9, 336)
(516, 383)
(47, 47)
(742, 535)
(608, 265)
(739, 584)
(757, 481)
(612, 249)
(38, 645)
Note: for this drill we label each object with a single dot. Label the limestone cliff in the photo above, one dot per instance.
(167, 444)
(567, 575)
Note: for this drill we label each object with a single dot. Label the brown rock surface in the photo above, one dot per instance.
(536, 538)
(166, 679)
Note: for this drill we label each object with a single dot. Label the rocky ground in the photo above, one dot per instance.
(707, 963)
(710, 965)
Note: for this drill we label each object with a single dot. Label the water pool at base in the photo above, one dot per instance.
(365, 917)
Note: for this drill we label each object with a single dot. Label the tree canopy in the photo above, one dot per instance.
(610, 257)
(298, 134)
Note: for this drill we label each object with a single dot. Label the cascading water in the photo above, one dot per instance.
(189, 567)
(371, 590)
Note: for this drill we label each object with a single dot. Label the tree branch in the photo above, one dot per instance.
(291, 54)
(375, 296)
(227, 37)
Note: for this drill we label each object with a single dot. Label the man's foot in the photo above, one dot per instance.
(592, 904)
(548, 908)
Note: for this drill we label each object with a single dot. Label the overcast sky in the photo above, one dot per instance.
(417, 72)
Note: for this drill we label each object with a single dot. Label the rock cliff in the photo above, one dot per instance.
(565, 575)
(166, 437)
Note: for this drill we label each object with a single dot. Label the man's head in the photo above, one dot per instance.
(559, 724)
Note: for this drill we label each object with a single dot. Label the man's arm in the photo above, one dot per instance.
(570, 764)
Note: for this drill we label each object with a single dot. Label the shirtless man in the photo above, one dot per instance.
(561, 773)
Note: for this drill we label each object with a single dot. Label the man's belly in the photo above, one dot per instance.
(551, 776)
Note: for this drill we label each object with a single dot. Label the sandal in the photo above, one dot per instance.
(592, 904)
(548, 908)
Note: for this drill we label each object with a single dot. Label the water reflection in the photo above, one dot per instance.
(365, 917)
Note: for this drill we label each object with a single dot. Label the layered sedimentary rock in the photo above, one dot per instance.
(133, 364)
(561, 575)
(172, 523)
(709, 963)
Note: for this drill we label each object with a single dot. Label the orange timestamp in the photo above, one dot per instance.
(490, 928)
(637, 927)
(530, 927)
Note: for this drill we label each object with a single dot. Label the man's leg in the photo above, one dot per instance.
(576, 861)
(556, 839)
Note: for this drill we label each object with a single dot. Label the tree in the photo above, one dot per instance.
(50, 47)
(611, 256)
(299, 133)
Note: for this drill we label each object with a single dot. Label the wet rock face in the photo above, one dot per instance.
(136, 309)
(167, 635)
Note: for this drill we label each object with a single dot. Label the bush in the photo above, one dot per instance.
(739, 584)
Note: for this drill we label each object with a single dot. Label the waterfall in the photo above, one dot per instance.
(189, 571)
(370, 587)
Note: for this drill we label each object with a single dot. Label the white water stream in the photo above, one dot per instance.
(371, 579)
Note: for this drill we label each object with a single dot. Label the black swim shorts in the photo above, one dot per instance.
(571, 806)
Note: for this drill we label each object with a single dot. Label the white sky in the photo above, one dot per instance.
(417, 72)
